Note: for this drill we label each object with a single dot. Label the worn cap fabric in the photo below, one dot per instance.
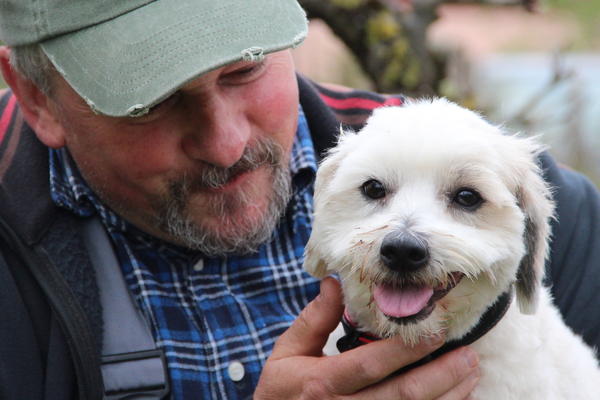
(123, 57)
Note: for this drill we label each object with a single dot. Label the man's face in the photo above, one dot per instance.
(207, 168)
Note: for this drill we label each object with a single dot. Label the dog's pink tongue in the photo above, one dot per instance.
(401, 302)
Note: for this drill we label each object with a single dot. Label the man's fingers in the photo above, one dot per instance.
(450, 377)
(309, 332)
(369, 364)
(372, 365)
(463, 390)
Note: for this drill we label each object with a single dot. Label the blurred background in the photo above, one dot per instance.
(531, 65)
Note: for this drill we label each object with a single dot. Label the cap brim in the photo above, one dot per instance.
(124, 66)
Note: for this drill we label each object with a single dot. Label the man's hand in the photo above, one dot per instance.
(297, 368)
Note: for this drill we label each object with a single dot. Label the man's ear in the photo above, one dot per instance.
(38, 110)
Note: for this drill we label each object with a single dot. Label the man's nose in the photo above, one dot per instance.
(218, 132)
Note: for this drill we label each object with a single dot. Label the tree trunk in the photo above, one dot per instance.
(388, 42)
(388, 38)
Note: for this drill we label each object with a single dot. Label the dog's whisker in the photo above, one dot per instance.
(442, 234)
(374, 230)
(347, 265)
(492, 276)
(465, 295)
(357, 244)
(362, 274)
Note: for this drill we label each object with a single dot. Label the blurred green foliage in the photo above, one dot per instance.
(587, 15)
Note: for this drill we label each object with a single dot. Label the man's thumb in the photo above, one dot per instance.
(309, 332)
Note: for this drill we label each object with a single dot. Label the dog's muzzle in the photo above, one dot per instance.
(405, 254)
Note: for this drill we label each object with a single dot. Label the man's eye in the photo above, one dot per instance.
(247, 71)
(157, 111)
(373, 189)
(467, 198)
(244, 74)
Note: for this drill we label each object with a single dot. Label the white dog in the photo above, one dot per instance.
(431, 216)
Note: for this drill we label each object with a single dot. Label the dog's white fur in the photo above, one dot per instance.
(423, 153)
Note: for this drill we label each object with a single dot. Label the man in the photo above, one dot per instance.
(177, 125)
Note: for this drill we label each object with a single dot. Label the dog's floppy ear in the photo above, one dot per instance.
(535, 200)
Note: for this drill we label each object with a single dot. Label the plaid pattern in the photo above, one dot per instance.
(209, 312)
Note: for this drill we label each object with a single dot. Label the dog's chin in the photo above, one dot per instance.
(407, 304)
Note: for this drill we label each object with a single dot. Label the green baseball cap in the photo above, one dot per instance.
(123, 57)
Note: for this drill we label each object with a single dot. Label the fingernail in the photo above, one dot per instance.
(471, 358)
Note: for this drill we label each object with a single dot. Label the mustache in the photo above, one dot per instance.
(265, 152)
(175, 219)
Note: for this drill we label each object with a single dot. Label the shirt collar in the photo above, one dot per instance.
(303, 164)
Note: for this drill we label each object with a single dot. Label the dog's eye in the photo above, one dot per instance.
(373, 189)
(467, 198)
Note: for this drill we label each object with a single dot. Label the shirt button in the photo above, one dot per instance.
(236, 371)
(199, 266)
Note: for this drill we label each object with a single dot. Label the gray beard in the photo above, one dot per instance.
(241, 237)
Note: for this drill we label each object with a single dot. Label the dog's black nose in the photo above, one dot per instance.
(402, 252)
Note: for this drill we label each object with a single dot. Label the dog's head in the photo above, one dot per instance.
(428, 215)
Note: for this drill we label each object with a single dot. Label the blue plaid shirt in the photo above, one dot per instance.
(216, 318)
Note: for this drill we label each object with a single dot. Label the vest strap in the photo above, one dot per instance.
(132, 366)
